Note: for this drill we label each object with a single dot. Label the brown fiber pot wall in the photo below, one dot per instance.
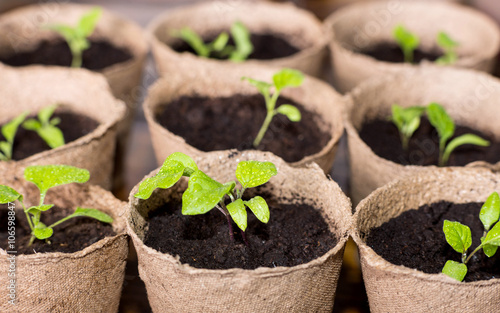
(314, 95)
(364, 25)
(297, 26)
(78, 91)
(470, 98)
(89, 280)
(307, 287)
(393, 288)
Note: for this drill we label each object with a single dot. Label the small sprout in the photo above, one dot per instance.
(407, 41)
(407, 120)
(459, 237)
(204, 193)
(9, 131)
(46, 177)
(284, 78)
(446, 128)
(77, 36)
(449, 47)
(219, 46)
(46, 127)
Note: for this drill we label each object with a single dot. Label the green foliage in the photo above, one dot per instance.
(407, 120)
(449, 46)
(46, 127)
(9, 131)
(204, 193)
(446, 128)
(46, 177)
(407, 41)
(459, 237)
(282, 79)
(219, 47)
(77, 36)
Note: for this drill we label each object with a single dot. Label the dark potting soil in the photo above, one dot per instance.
(233, 123)
(73, 126)
(100, 55)
(383, 138)
(415, 239)
(295, 234)
(70, 236)
(266, 47)
(389, 52)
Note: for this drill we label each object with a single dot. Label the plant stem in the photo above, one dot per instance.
(77, 60)
(473, 252)
(244, 236)
(263, 129)
(27, 216)
(408, 54)
(404, 142)
(31, 240)
(224, 211)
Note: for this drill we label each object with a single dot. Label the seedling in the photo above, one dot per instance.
(407, 41)
(219, 46)
(460, 239)
(77, 36)
(446, 128)
(284, 78)
(449, 47)
(204, 193)
(9, 131)
(46, 177)
(46, 127)
(407, 120)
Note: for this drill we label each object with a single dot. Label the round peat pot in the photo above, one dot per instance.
(88, 111)
(89, 280)
(172, 105)
(362, 43)
(282, 35)
(174, 286)
(375, 151)
(397, 288)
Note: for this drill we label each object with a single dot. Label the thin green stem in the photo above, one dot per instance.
(442, 160)
(404, 141)
(61, 221)
(270, 105)
(473, 252)
(27, 216)
(32, 239)
(77, 59)
(408, 54)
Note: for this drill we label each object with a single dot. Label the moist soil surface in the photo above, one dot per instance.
(389, 52)
(416, 240)
(383, 138)
(100, 55)
(233, 123)
(70, 236)
(295, 234)
(73, 126)
(266, 47)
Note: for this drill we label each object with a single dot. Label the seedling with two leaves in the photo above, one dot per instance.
(46, 177)
(204, 193)
(219, 47)
(271, 92)
(9, 131)
(77, 36)
(459, 237)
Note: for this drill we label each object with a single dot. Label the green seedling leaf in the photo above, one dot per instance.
(254, 173)
(244, 46)
(52, 135)
(45, 127)
(457, 235)
(290, 111)
(287, 78)
(449, 46)
(9, 130)
(407, 120)
(41, 231)
(238, 213)
(45, 113)
(489, 250)
(170, 173)
(259, 207)
(493, 236)
(203, 193)
(490, 211)
(220, 42)
(88, 22)
(188, 163)
(263, 87)
(93, 213)
(195, 41)
(8, 194)
(407, 41)
(41, 208)
(462, 140)
(441, 121)
(455, 270)
(32, 124)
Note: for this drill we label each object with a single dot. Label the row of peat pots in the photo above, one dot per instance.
(289, 257)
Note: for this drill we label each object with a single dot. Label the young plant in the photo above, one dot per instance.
(407, 41)
(9, 131)
(460, 239)
(449, 47)
(46, 127)
(446, 128)
(407, 120)
(204, 193)
(77, 36)
(46, 177)
(284, 78)
(219, 46)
